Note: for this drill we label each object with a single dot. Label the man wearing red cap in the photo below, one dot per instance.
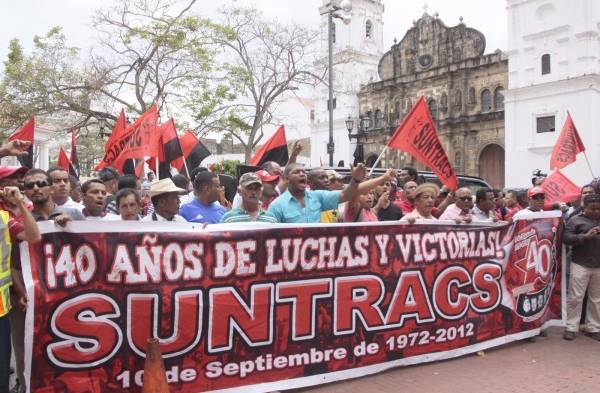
(10, 176)
(269, 192)
(536, 197)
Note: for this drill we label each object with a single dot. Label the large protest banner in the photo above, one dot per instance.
(261, 308)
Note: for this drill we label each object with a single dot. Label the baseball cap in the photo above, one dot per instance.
(7, 171)
(265, 176)
(164, 186)
(248, 179)
(533, 191)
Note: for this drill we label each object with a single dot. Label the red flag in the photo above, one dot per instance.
(193, 152)
(111, 145)
(560, 188)
(63, 160)
(25, 133)
(567, 147)
(136, 141)
(418, 137)
(139, 169)
(274, 150)
(139, 139)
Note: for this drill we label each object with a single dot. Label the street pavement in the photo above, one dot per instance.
(544, 365)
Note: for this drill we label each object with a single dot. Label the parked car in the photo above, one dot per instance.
(472, 182)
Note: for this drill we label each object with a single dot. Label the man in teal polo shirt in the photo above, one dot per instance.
(250, 189)
(297, 205)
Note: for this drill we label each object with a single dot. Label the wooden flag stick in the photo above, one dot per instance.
(186, 167)
(377, 161)
(157, 170)
(589, 165)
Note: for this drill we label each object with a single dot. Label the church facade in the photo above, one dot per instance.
(463, 86)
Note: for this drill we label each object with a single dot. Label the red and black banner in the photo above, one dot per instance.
(274, 150)
(25, 133)
(194, 152)
(257, 308)
(169, 149)
(64, 163)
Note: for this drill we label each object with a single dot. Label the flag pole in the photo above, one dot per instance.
(186, 168)
(157, 170)
(589, 165)
(377, 161)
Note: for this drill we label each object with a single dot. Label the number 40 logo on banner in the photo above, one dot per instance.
(537, 266)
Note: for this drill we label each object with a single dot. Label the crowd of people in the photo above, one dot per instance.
(271, 195)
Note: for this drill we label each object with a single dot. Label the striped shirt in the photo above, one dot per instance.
(240, 215)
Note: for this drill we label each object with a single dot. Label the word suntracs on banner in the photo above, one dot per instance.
(260, 308)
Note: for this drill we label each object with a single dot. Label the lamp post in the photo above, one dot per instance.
(332, 12)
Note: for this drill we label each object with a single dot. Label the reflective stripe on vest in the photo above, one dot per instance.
(5, 274)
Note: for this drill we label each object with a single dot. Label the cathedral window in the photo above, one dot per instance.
(486, 101)
(444, 102)
(472, 99)
(397, 108)
(457, 100)
(499, 98)
(546, 64)
(458, 161)
(433, 108)
(369, 29)
(378, 119)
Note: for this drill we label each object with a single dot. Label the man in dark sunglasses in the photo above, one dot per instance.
(36, 184)
(460, 211)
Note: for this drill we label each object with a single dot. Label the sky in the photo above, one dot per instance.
(26, 18)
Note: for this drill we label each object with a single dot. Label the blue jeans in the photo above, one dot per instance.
(4, 352)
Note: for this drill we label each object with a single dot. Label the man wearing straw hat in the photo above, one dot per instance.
(165, 198)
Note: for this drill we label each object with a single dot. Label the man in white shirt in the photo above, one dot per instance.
(165, 198)
(484, 206)
(536, 196)
(94, 198)
(61, 189)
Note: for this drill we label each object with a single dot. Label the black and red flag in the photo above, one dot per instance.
(274, 150)
(65, 163)
(73, 158)
(169, 149)
(25, 133)
(194, 152)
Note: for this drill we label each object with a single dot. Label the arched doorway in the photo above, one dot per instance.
(491, 165)
(371, 160)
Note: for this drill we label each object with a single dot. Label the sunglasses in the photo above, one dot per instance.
(39, 183)
(539, 197)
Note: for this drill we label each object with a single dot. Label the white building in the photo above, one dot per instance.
(44, 138)
(554, 67)
(357, 50)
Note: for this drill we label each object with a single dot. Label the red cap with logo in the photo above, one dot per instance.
(533, 191)
(266, 176)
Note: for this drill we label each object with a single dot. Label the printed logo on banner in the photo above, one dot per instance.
(536, 262)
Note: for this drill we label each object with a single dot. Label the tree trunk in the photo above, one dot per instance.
(247, 153)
